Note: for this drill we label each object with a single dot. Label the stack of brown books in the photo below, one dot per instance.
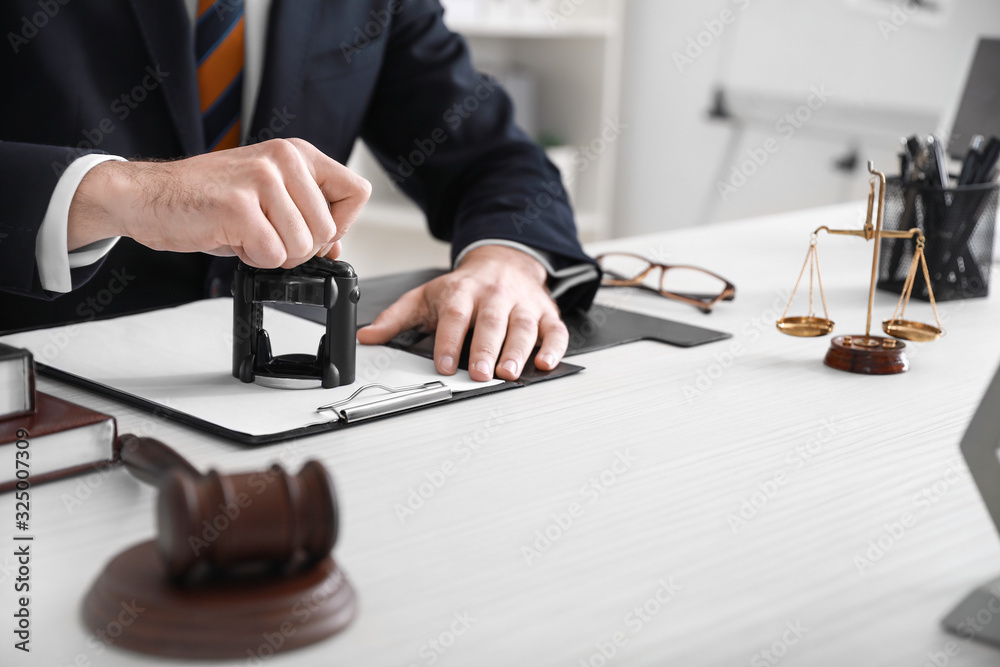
(53, 438)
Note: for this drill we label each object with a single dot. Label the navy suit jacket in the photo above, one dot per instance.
(118, 76)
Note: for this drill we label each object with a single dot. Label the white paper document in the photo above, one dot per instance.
(181, 358)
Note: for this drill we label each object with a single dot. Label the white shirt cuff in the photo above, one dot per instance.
(51, 257)
(560, 281)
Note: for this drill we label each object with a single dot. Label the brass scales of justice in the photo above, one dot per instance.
(867, 354)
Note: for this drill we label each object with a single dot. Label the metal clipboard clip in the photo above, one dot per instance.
(400, 398)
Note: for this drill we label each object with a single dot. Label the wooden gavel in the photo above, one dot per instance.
(234, 559)
(224, 525)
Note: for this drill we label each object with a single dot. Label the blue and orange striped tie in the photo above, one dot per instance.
(218, 39)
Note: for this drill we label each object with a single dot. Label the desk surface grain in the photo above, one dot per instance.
(736, 503)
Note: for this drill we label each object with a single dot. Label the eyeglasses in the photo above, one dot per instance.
(688, 284)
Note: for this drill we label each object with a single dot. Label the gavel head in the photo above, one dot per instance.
(222, 525)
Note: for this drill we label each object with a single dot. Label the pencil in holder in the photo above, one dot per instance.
(958, 224)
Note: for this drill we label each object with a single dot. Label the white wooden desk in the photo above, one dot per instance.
(844, 455)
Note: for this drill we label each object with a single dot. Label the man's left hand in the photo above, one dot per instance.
(500, 290)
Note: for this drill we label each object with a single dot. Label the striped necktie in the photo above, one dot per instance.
(219, 57)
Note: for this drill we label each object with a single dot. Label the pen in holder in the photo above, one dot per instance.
(958, 224)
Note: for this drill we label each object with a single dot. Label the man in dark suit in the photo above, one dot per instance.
(89, 83)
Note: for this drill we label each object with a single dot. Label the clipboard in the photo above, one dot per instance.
(599, 328)
(388, 407)
(175, 363)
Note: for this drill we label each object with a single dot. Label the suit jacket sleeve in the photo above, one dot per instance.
(447, 137)
(28, 175)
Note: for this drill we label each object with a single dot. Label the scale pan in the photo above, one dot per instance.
(918, 332)
(804, 327)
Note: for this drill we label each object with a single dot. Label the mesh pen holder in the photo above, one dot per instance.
(958, 224)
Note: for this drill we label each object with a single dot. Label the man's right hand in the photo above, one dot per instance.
(277, 203)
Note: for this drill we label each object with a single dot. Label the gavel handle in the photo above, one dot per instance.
(150, 460)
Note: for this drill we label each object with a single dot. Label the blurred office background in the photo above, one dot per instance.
(668, 113)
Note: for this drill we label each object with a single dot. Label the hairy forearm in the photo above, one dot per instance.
(91, 217)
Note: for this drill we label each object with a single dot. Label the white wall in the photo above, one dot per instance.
(771, 54)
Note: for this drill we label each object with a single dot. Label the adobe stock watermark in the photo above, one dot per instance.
(703, 40)
(947, 314)
(661, 254)
(637, 618)
(223, 7)
(85, 486)
(434, 648)
(301, 612)
(923, 501)
(597, 317)
(277, 122)
(968, 628)
(8, 568)
(752, 504)
(56, 340)
(120, 108)
(463, 451)
(59, 338)
(594, 320)
(587, 154)
(786, 127)
(749, 333)
(550, 191)
(93, 305)
(31, 25)
(562, 11)
(453, 118)
(779, 648)
(230, 511)
(99, 641)
(372, 368)
(592, 490)
(364, 35)
(898, 17)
